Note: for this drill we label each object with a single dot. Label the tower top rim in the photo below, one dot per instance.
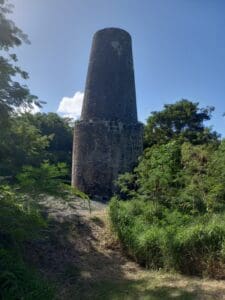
(112, 29)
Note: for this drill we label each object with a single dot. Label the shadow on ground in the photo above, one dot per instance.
(74, 254)
(130, 290)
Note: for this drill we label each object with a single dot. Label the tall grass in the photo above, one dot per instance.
(158, 237)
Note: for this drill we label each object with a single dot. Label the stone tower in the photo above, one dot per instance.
(108, 137)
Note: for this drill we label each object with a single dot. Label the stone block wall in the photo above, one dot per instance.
(108, 138)
(102, 150)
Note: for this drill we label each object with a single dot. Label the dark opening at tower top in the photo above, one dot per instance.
(110, 86)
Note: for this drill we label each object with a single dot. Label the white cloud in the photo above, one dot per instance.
(32, 110)
(71, 106)
(35, 109)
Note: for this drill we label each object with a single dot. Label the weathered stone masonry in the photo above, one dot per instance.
(108, 137)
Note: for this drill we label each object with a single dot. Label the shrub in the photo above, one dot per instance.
(158, 237)
(18, 281)
(20, 222)
(47, 179)
(43, 179)
(201, 247)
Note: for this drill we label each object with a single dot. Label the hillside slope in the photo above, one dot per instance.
(85, 261)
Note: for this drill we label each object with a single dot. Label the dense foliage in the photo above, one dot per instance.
(13, 93)
(25, 138)
(35, 152)
(59, 131)
(183, 121)
(20, 223)
(170, 212)
(31, 139)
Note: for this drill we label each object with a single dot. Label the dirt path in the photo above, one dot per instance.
(83, 258)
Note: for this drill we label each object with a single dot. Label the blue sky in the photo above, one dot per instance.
(178, 49)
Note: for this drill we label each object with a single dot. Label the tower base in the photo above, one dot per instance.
(101, 151)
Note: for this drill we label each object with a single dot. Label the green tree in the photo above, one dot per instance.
(182, 121)
(12, 93)
(216, 180)
(61, 133)
(194, 177)
(157, 172)
(23, 145)
(175, 214)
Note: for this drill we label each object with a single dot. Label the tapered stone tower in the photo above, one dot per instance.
(108, 137)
